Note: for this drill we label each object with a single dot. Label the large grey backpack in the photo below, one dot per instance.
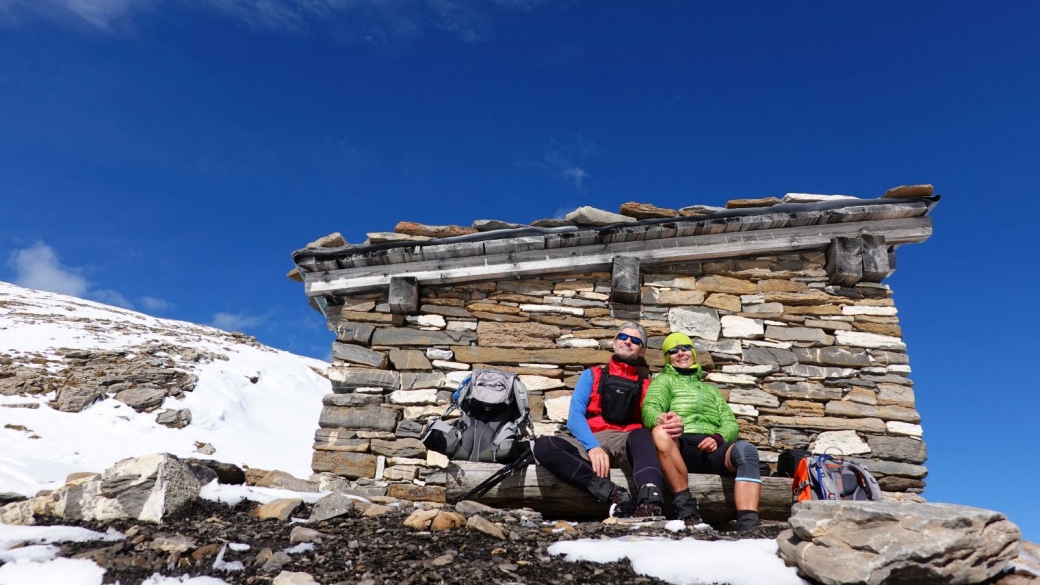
(494, 417)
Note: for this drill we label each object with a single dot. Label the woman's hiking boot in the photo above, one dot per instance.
(686, 507)
(649, 502)
(747, 520)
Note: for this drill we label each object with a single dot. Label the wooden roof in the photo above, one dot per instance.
(530, 251)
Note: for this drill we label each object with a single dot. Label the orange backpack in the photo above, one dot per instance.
(827, 478)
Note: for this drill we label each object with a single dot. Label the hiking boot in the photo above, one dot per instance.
(647, 510)
(649, 502)
(747, 521)
(686, 507)
(621, 504)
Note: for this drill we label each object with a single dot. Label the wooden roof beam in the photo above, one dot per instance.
(600, 257)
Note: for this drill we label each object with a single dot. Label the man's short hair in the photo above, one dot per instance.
(637, 327)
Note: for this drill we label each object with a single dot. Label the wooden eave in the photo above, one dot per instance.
(516, 255)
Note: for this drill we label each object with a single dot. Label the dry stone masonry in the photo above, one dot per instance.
(783, 298)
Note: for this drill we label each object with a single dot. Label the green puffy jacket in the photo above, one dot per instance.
(701, 405)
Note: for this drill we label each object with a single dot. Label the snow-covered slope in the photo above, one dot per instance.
(268, 423)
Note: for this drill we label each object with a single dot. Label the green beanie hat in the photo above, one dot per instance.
(673, 340)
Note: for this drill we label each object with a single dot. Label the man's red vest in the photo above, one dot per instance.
(594, 412)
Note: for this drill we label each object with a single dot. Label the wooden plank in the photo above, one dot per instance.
(553, 241)
(803, 218)
(326, 264)
(401, 255)
(624, 280)
(686, 228)
(620, 234)
(600, 257)
(659, 231)
(404, 295)
(456, 250)
(844, 261)
(510, 245)
(534, 487)
(875, 258)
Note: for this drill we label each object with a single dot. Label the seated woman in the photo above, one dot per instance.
(695, 431)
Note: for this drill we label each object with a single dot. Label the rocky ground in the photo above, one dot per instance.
(369, 544)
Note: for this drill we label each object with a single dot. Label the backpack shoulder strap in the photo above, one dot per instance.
(525, 424)
(867, 482)
(603, 373)
(460, 395)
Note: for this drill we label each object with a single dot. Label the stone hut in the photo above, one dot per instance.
(784, 298)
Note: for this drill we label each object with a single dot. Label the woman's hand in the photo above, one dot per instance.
(671, 423)
(708, 445)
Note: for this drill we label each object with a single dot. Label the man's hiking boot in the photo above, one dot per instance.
(621, 504)
(649, 502)
(747, 521)
(686, 507)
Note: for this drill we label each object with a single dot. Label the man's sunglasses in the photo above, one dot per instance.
(632, 338)
(679, 348)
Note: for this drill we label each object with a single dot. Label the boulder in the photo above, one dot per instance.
(388, 237)
(333, 240)
(487, 225)
(148, 487)
(75, 398)
(10, 498)
(748, 203)
(280, 509)
(696, 210)
(331, 506)
(892, 542)
(551, 222)
(432, 231)
(591, 216)
(227, 473)
(286, 481)
(909, 191)
(646, 211)
(142, 399)
(174, 418)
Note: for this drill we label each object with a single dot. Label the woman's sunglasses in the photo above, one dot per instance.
(632, 338)
(679, 348)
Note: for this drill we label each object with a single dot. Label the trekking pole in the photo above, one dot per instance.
(497, 478)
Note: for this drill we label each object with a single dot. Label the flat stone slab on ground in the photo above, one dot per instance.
(887, 542)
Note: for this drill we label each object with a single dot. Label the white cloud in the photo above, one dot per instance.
(155, 305)
(37, 267)
(110, 297)
(101, 14)
(567, 160)
(375, 21)
(238, 321)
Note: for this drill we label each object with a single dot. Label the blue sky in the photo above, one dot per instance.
(169, 155)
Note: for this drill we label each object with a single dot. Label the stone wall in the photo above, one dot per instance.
(803, 364)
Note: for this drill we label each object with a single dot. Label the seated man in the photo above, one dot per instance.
(695, 431)
(607, 425)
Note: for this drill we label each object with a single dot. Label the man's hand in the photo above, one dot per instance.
(671, 423)
(708, 445)
(600, 461)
